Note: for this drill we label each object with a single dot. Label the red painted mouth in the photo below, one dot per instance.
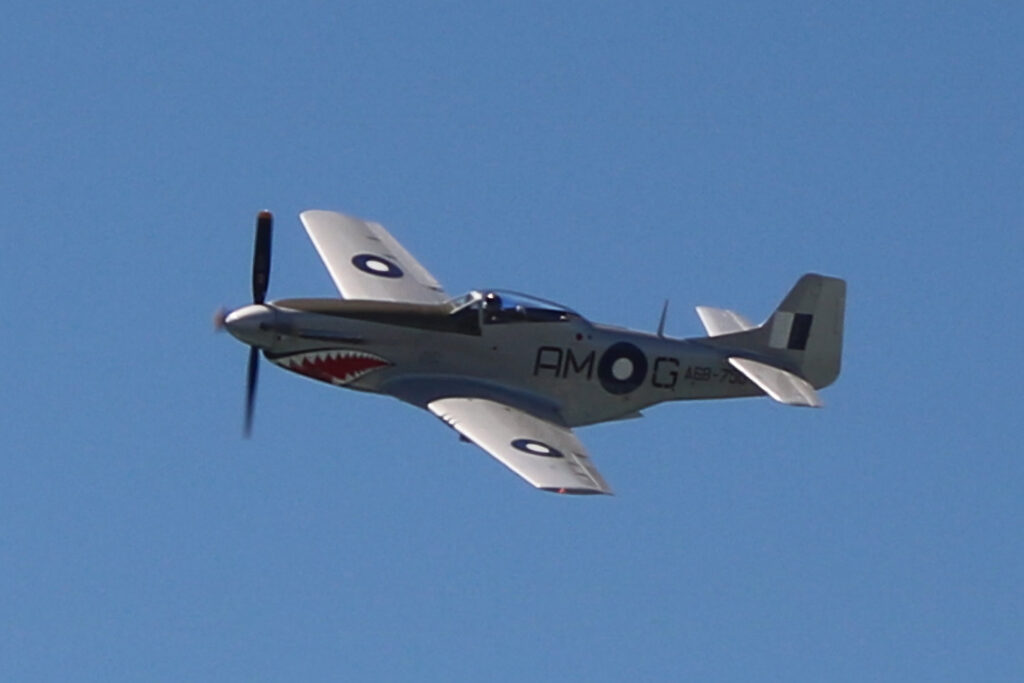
(335, 366)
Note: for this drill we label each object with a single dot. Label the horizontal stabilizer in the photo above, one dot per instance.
(719, 321)
(782, 385)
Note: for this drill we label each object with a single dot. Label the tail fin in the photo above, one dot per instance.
(804, 336)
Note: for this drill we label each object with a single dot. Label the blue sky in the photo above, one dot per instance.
(606, 155)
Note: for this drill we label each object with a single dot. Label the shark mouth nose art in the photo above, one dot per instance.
(335, 366)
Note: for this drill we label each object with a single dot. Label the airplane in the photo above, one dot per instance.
(511, 373)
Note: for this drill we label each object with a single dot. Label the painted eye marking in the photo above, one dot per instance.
(622, 368)
(377, 265)
(534, 447)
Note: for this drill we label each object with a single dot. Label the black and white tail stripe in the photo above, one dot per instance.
(790, 330)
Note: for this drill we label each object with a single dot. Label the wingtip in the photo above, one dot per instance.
(575, 491)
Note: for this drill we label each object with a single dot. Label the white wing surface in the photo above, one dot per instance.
(547, 455)
(366, 262)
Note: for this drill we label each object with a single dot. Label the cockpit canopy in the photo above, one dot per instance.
(503, 306)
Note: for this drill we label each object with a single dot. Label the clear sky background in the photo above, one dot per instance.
(605, 155)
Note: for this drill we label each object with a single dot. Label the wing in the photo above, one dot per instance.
(366, 262)
(547, 455)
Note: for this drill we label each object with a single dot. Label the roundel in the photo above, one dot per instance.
(534, 447)
(376, 265)
(622, 368)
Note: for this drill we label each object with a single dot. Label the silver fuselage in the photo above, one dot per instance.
(572, 370)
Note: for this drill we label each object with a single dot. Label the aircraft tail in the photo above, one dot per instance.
(797, 350)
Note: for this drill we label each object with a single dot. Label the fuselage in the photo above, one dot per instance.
(545, 360)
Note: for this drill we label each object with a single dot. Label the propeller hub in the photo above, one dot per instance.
(253, 325)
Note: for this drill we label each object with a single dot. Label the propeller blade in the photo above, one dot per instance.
(261, 257)
(250, 388)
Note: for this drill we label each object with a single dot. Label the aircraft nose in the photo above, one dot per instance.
(251, 324)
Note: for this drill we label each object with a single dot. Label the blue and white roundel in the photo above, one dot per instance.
(622, 368)
(376, 265)
(534, 447)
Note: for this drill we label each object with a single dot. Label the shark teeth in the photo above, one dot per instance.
(335, 366)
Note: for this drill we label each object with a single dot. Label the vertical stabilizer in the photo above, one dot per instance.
(803, 336)
(807, 327)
